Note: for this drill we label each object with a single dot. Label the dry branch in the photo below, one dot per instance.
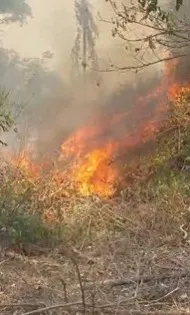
(17, 305)
(80, 284)
(114, 282)
(142, 65)
(65, 306)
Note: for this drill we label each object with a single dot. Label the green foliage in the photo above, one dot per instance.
(171, 160)
(153, 5)
(6, 121)
(174, 141)
(21, 221)
(23, 228)
(165, 171)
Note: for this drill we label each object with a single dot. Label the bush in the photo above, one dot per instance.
(23, 228)
(6, 121)
(35, 209)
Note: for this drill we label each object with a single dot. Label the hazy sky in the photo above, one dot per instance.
(51, 28)
(44, 31)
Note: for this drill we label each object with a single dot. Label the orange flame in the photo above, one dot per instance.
(91, 155)
(24, 163)
(93, 171)
(94, 175)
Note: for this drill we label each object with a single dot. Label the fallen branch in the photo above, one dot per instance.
(16, 305)
(167, 295)
(66, 306)
(114, 283)
(80, 284)
(6, 260)
(107, 308)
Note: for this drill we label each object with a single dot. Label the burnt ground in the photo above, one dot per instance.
(112, 278)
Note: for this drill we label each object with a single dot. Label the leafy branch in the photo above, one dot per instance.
(6, 121)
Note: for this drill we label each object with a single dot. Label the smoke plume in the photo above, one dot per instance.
(67, 106)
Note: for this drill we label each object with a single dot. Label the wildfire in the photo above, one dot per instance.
(90, 150)
(24, 163)
(96, 175)
(93, 170)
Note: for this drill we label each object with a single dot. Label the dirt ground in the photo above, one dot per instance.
(109, 279)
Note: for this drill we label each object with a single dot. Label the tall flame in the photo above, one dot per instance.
(93, 170)
(91, 150)
(94, 175)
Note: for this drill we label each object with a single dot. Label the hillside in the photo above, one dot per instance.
(64, 253)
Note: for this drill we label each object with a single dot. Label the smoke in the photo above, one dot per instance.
(30, 85)
(78, 103)
(59, 106)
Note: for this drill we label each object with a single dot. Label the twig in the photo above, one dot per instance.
(21, 305)
(147, 312)
(145, 279)
(64, 290)
(93, 295)
(5, 260)
(166, 295)
(108, 309)
(52, 307)
(87, 233)
(144, 65)
(80, 283)
(179, 139)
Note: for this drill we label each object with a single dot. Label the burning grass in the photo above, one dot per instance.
(35, 207)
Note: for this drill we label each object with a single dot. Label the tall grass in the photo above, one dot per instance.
(151, 203)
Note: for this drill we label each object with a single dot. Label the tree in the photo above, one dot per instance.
(14, 11)
(11, 11)
(83, 53)
(33, 88)
(162, 33)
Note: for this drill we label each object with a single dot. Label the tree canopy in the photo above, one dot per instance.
(10, 11)
(14, 11)
(154, 6)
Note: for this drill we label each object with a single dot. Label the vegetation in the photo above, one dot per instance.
(125, 255)
(14, 11)
(145, 227)
(167, 167)
(83, 52)
(6, 121)
(161, 33)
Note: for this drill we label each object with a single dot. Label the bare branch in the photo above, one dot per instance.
(80, 283)
(52, 307)
(164, 29)
(144, 65)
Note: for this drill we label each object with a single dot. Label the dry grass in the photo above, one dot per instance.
(117, 256)
(116, 275)
(31, 207)
(125, 255)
